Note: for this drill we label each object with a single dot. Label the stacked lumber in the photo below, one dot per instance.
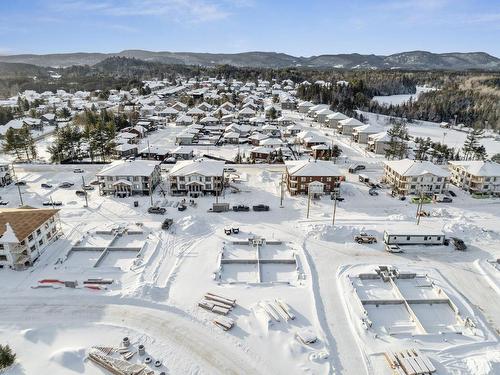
(217, 303)
(409, 362)
(223, 322)
(277, 310)
(118, 366)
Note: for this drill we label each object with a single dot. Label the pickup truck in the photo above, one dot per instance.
(393, 249)
(365, 238)
(260, 207)
(241, 208)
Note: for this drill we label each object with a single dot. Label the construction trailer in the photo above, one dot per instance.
(415, 236)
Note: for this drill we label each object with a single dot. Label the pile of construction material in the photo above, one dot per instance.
(277, 310)
(117, 366)
(94, 284)
(117, 360)
(409, 362)
(219, 305)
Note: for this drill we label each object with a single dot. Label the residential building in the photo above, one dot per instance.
(300, 173)
(347, 126)
(197, 177)
(25, 233)
(415, 177)
(478, 177)
(126, 178)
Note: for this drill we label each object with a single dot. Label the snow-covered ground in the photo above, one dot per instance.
(388, 100)
(154, 298)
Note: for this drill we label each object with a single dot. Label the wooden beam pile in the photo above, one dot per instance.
(409, 362)
(217, 303)
(277, 310)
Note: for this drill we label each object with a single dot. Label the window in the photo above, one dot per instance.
(408, 238)
(1, 246)
(40, 242)
(33, 248)
(181, 178)
(30, 237)
(3, 258)
(208, 186)
(439, 238)
(425, 238)
(207, 179)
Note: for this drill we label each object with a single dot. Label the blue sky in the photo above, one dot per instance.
(298, 27)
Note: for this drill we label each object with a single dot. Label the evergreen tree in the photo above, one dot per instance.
(7, 356)
(471, 143)
(336, 151)
(397, 146)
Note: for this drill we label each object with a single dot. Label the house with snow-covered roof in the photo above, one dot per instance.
(300, 173)
(476, 176)
(360, 134)
(126, 178)
(413, 177)
(197, 177)
(347, 126)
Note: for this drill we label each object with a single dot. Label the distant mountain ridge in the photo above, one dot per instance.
(413, 60)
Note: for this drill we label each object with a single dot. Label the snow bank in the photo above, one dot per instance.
(69, 358)
(469, 232)
(484, 364)
(339, 233)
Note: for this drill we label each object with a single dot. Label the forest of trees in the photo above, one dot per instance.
(91, 135)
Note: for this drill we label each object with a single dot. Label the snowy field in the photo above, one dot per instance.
(388, 100)
(154, 296)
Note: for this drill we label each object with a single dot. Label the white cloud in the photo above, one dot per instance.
(177, 10)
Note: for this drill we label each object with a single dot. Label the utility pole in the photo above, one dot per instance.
(150, 193)
(282, 190)
(334, 208)
(20, 194)
(85, 191)
(308, 201)
(419, 207)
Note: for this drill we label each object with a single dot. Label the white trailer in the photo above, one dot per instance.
(414, 237)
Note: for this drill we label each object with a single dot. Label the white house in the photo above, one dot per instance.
(126, 178)
(360, 134)
(25, 233)
(5, 175)
(415, 177)
(480, 177)
(197, 177)
(347, 126)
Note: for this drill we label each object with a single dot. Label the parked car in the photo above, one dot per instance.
(80, 193)
(87, 187)
(52, 203)
(20, 183)
(260, 207)
(337, 198)
(157, 210)
(241, 207)
(4, 203)
(167, 223)
(459, 244)
(229, 169)
(372, 192)
(452, 193)
(78, 170)
(393, 248)
(46, 186)
(181, 207)
(356, 167)
(365, 238)
(66, 185)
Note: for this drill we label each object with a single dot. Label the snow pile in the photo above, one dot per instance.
(484, 364)
(397, 217)
(69, 358)
(191, 226)
(441, 212)
(469, 232)
(339, 233)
